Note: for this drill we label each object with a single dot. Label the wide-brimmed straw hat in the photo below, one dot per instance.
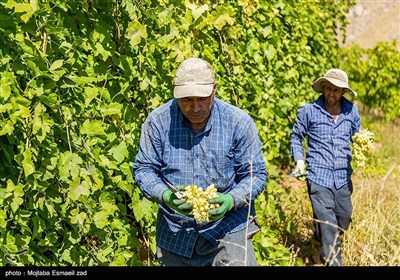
(194, 77)
(336, 77)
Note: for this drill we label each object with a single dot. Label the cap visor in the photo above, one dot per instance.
(193, 90)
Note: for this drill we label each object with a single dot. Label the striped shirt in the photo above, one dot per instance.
(226, 152)
(329, 153)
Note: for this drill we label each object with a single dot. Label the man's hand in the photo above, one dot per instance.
(225, 202)
(300, 169)
(179, 205)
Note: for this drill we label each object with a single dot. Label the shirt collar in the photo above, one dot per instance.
(345, 105)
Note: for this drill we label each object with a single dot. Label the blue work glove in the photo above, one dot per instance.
(180, 205)
(225, 202)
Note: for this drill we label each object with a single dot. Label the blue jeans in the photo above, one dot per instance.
(230, 251)
(332, 210)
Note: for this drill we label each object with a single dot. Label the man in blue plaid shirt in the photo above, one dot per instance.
(198, 139)
(329, 123)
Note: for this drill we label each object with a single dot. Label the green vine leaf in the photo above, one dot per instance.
(101, 219)
(27, 163)
(77, 188)
(56, 64)
(93, 128)
(69, 165)
(136, 32)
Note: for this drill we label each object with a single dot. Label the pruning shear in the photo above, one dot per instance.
(177, 193)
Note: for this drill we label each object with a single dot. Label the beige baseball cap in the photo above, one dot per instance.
(194, 77)
(336, 77)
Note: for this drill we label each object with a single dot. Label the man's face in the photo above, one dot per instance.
(332, 94)
(197, 109)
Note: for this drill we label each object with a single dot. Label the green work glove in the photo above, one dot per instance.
(225, 202)
(180, 205)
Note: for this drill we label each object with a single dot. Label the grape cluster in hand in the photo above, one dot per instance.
(199, 199)
(362, 145)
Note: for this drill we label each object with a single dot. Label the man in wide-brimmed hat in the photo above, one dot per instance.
(329, 124)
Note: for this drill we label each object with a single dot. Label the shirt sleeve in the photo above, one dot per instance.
(298, 134)
(356, 126)
(145, 169)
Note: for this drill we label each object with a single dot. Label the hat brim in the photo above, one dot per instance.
(317, 85)
(193, 90)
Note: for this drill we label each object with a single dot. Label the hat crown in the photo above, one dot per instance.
(337, 74)
(336, 77)
(194, 71)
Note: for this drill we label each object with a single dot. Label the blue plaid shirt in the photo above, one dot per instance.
(329, 152)
(226, 152)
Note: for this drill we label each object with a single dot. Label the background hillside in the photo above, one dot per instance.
(373, 21)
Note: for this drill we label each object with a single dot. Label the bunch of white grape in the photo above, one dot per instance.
(199, 199)
(362, 145)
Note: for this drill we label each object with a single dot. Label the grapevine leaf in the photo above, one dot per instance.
(120, 152)
(79, 219)
(101, 219)
(135, 32)
(15, 203)
(69, 164)
(56, 64)
(112, 109)
(197, 12)
(76, 189)
(3, 219)
(66, 256)
(6, 127)
(27, 163)
(93, 128)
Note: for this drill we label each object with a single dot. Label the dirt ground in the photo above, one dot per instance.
(372, 21)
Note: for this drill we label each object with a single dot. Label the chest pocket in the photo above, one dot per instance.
(218, 166)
